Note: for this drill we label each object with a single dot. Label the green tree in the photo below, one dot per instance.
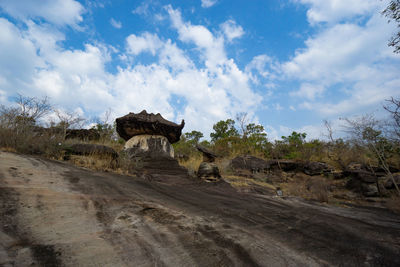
(194, 136)
(224, 129)
(295, 139)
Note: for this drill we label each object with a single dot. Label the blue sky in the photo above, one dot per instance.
(287, 64)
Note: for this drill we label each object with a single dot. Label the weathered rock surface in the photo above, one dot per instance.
(154, 144)
(144, 123)
(317, 168)
(208, 155)
(209, 172)
(55, 214)
(250, 163)
(257, 165)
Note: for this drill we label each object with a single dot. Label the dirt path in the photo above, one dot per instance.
(54, 214)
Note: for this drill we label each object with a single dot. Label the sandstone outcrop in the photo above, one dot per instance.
(148, 145)
(144, 123)
(153, 144)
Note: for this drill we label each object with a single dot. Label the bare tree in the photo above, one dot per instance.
(392, 12)
(393, 107)
(242, 120)
(371, 133)
(69, 120)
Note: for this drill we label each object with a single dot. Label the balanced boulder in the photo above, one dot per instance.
(144, 123)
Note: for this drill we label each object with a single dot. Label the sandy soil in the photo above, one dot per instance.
(54, 214)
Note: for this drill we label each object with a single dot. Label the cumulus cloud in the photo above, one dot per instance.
(58, 12)
(34, 60)
(349, 58)
(146, 42)
(333, 11)
(116, 24)
(232, 30)
(208, 3)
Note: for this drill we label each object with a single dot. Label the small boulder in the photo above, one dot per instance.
(209, 172)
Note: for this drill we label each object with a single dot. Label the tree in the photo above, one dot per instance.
(224, 129)
(242, 120)
(392, 12)
(393, 107)
(295, 139)
(194, 136)
(370, 132)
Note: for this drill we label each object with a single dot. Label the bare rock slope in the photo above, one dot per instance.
(54, 214)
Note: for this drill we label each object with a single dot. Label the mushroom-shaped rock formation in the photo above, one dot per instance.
(208, 155)
(144, 123)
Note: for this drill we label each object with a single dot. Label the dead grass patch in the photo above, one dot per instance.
(308, 187)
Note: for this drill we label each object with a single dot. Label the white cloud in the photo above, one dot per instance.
(77, 78)
(146, 42)
(212, 47)
(348, 59)
(332, 11)
(232, 30)
(208, 3)
(115, 24)
(308, 90)
(59, 12)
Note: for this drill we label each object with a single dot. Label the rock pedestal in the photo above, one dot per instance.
(149, 137)
(209, 172)
(149, 144)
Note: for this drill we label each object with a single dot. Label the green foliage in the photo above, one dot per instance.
(224, 129)
(186, 147)
(193, 136)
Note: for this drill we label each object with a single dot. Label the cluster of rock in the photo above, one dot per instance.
(148, 142)
(367, 181)
(254, 165)
(370, 181)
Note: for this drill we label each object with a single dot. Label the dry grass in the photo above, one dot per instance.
(192, 163)
(95, 162)
(239, 181)
(313, 188)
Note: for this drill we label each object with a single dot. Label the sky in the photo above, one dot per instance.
(288, 64)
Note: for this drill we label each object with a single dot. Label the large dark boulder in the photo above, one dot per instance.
(249, 163)
(151, 124)
(317, 168)
(286, 165)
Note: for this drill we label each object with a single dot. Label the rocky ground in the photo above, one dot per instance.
(55, 214)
